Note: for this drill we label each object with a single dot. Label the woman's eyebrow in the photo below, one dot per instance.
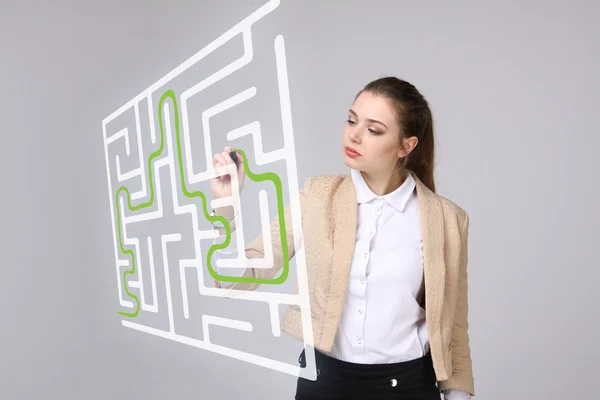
(368, 119)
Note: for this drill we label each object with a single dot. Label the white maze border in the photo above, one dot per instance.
(287, 153)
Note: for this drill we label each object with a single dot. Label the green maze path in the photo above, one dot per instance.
(268, 176)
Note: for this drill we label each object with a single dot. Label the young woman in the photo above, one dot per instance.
(386, 259)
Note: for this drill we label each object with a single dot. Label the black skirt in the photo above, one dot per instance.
(414, 380)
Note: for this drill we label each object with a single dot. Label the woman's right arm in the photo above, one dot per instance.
(256, 249)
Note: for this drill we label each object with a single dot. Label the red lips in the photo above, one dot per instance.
(350, 152)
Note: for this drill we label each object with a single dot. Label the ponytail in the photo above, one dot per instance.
(421, 160)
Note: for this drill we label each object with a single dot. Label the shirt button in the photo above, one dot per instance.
(360, 311)
(362, 281)
(371, 233)
(359, 341)
(366, 254)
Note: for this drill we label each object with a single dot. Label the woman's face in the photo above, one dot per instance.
(371, 138)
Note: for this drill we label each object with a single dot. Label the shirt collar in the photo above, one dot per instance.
(397, 199)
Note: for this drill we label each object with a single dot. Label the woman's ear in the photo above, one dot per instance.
(408, 145)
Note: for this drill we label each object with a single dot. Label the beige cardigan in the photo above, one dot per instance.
(329, 223)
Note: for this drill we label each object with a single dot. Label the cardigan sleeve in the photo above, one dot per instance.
(256, 249)
(462, 373)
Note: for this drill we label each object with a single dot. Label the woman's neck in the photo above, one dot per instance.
(382, 184)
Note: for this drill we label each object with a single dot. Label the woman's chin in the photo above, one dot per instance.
(350, 162)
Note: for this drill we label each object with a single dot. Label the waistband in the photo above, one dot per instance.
(333, 368)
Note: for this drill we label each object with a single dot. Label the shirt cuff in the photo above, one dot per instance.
(230, 253)
(456, 394)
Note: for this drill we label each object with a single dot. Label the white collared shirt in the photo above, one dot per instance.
(382, 321)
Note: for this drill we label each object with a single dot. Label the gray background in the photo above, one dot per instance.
(513, 88)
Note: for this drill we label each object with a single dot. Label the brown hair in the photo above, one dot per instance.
(415, 119)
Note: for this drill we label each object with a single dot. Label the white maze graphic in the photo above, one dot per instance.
(159, 218)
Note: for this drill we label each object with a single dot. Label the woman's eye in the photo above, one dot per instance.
(374, 132)
(351, 122)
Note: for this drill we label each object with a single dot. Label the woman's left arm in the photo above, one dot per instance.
(462, 371)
